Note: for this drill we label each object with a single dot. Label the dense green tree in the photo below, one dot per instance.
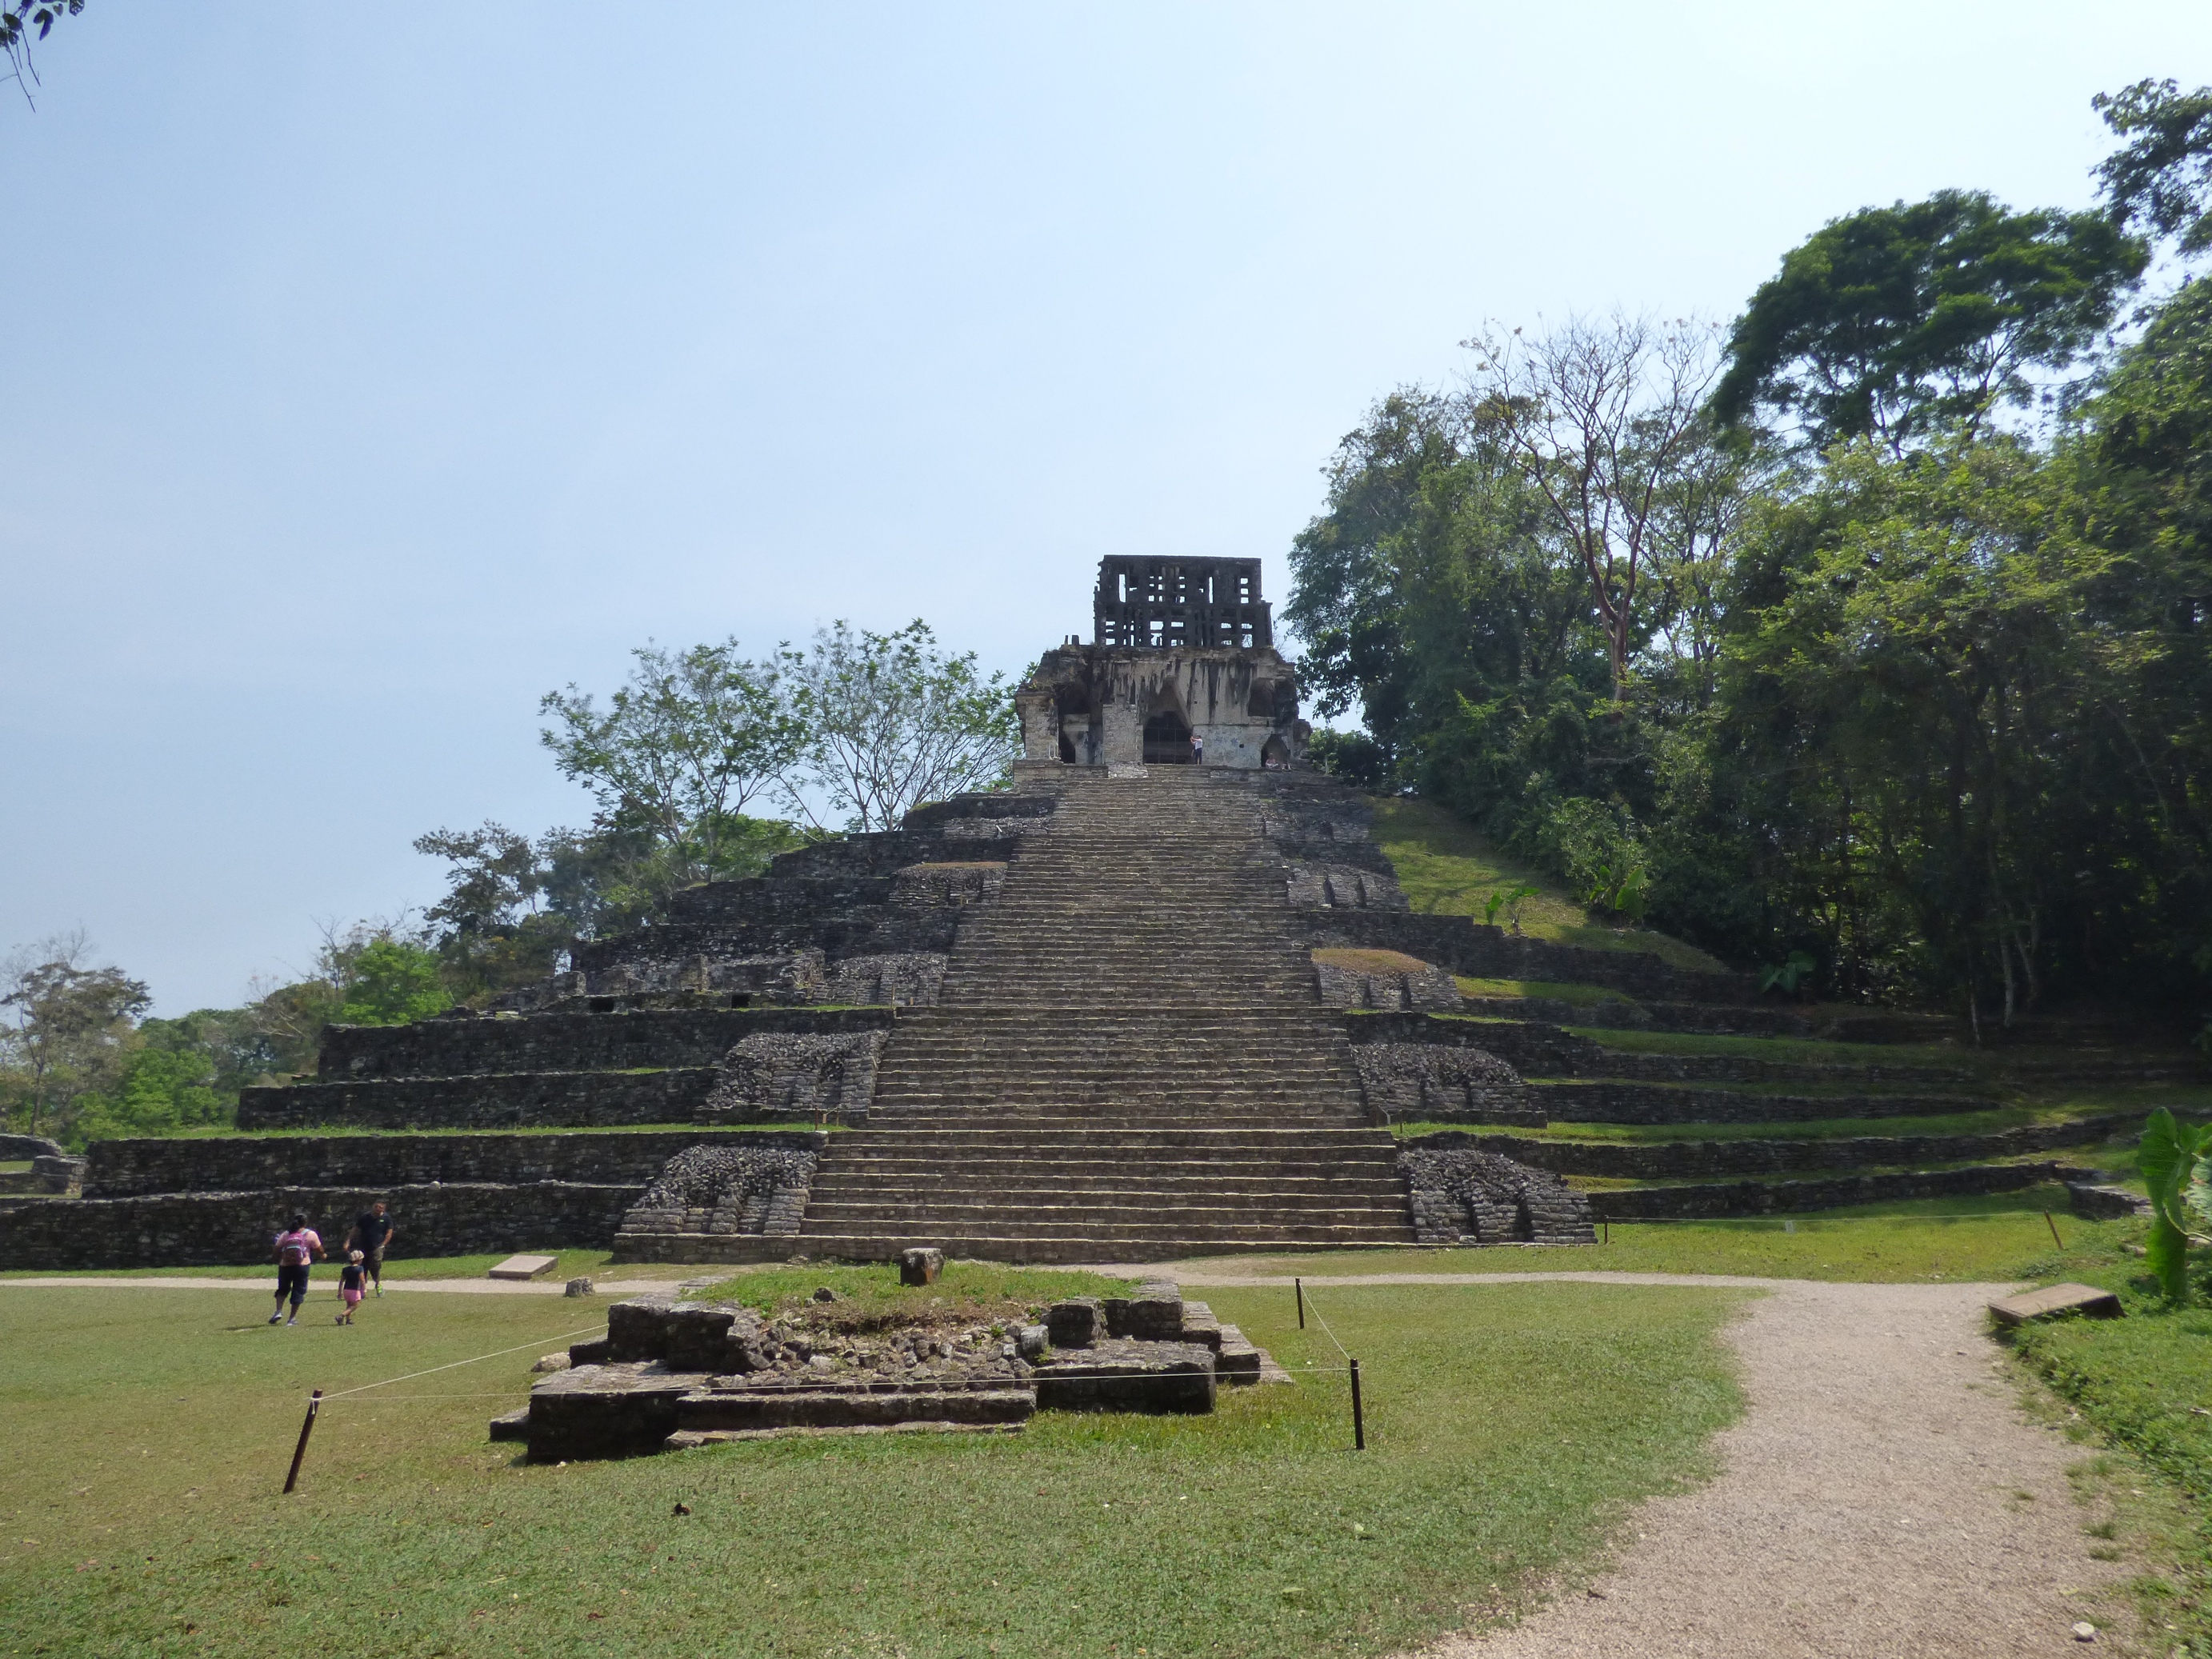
(1892, 323)
(514, 907)
(679, 751)
(2163, 176)
(1438, 596)
(69, 1024)
(1603, 420)
(890, 720)
(392, 982)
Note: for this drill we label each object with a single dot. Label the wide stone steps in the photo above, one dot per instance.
(1023, 1179)
(1049, 1135)
(1118, 1224)
(1128, 1058)
(1115, 1221)
(1015, 1245)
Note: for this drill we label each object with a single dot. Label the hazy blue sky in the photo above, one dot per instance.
(371, 370)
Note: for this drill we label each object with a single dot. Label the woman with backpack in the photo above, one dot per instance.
(297, 1247)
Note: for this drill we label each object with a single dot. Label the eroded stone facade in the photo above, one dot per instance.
(1181, 648)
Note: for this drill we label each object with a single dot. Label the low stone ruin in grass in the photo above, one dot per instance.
(673, 1374)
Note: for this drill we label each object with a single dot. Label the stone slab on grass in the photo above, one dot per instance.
(742, 1410)
(1123, 1374)
(2084, 1299)
(614, 1410)
(524, 1267)
(1236, 1361)
(691, 1439)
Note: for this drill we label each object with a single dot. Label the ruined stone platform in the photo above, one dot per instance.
(671, 1374)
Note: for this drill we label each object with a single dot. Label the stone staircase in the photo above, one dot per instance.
(1127, 1060)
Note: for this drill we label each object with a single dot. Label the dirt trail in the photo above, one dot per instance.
(1882, 1496)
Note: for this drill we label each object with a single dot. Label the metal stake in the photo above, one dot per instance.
(1359, 1422)
(1299, 1286)
(300, 1451)
(2053, 1225)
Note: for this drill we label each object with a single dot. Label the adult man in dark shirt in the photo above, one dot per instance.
(372, 1231)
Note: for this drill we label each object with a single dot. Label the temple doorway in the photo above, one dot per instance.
(1167, 739)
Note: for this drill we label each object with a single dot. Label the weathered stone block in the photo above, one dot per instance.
(1129, 1375)
(614, 1410)
(921, 1266)
(2083, 1300)
(1409, 1082)
(1460, 1195)
(1153, 1314)
(777, 1075)
(1075, 1323)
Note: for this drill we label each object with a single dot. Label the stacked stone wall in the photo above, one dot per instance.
(498, 1101)
(1531, 1048)
(774, 900)
(723, 1190)
(883, 930)
(1430, 988)
(1462, 1195)
(788, 1076)
(198, 1230)
(567, 1040)
(1415, 1082)
(914, 980)
(1786, 1197)
(1313, 885)
(996, 804)
(1466, 946)
(1653, 1103)
(130, 1169)
(1691, 1159)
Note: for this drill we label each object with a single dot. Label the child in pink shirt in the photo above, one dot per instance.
(349, 1282)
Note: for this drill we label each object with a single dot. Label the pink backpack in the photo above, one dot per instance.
(293, 1248)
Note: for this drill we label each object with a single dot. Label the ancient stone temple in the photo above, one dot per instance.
(1182, 667)
(1079, 1018)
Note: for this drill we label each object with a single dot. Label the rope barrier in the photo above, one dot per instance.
(1322, 1319)
(410, 1376)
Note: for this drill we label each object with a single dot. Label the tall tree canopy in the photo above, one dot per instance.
(891, 720)
(2163, 176)
(1891, 322)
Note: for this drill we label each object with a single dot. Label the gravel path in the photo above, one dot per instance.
(1870, 1505)
(1883, 1496)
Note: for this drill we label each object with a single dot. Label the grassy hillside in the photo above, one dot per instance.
(1448, 869)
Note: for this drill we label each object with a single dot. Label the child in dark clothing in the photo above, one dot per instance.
(350, 1282)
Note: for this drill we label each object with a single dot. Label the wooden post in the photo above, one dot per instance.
(1359, 1422)
(300, 1451)
(1298, 1287)
(1607, 1239)
(2053, 1225)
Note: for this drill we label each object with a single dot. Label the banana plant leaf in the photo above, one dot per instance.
(2171, 1159)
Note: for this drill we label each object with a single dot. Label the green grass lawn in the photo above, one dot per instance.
(1580, 996)
(1447, 869)
(2000, 1238)
(1509, 1429)
(567, 1264)
(1651, 1134)
(2143, 1382)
